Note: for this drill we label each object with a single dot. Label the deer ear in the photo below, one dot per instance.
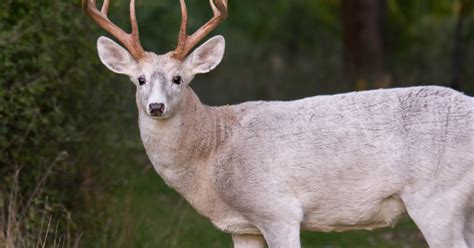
(115, 57)
(207, 56)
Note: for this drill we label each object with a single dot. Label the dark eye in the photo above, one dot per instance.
(141, 80)
(177, 80)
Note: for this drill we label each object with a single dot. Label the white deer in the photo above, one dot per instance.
(263, 171)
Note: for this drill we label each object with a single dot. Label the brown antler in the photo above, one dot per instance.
(130, 41)
(187, 42)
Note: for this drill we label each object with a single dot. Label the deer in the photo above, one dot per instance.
(263, 171)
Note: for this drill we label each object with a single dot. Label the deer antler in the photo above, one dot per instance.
(130, 41)
(187, 42)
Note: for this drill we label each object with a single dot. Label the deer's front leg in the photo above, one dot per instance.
(248, 241)
(282, 235)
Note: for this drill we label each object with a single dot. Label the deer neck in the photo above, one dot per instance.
(182, 148)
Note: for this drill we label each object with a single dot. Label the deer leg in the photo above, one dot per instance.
(248, 241)
(441, 218)
(469, 227)
(282, 235)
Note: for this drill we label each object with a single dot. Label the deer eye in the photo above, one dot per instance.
(177, 80)
(141, 80)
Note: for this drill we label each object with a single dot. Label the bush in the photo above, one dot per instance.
(44, 71)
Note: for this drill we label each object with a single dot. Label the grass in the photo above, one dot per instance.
(16, 229)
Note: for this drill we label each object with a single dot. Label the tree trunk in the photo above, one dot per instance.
(459, 46)
(3, 208)
(363, 24)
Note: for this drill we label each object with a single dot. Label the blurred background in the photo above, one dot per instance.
(73, 172)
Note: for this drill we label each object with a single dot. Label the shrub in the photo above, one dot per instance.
(44, 70)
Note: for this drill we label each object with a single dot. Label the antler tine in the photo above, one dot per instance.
(130, 41)
(221, 8)
(105, 7)
(182, 30)
(186, 42)
(133, 21)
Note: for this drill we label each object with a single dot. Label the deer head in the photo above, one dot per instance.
(161, 80)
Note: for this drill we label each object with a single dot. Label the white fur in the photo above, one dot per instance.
(207, 56)
(327, 163)
(115, 57)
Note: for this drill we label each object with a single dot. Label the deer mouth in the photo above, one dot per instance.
(158, 115)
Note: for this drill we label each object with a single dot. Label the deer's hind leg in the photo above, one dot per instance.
(469, 226)
(440, 216)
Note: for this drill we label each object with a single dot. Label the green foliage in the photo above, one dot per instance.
(68, 125)
(43, 70)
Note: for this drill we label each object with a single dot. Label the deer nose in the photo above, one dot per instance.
(156, 109)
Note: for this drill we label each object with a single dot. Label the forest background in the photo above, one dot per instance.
(73, 172)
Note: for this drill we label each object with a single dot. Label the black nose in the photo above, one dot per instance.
(156, 108)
